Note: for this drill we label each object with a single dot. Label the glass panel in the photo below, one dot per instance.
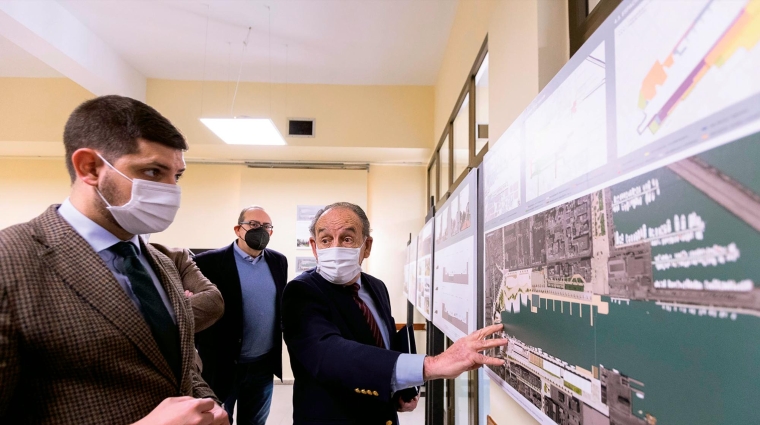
(481, 106)
(443, 176)
(592, 4)
(432, 180)
(462, 138)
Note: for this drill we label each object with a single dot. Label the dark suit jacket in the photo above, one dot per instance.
(341, 377)
(74, 349)
(219, 345)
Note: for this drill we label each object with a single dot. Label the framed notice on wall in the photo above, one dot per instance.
(305, 263)
(304, 215)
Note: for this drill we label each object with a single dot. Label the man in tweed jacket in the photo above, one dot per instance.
(76, 347)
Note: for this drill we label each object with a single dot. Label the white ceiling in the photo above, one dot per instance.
(365, 42)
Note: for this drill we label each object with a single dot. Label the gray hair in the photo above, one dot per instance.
(346, 205)
(241, 217)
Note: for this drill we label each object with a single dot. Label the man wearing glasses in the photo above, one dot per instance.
(242, 351)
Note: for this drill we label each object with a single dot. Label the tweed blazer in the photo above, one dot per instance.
(74, 349)
(207, 302)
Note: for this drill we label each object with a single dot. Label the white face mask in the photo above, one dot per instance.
(151, 209)
(339, 265)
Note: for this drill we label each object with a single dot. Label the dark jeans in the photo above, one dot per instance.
(252, 389)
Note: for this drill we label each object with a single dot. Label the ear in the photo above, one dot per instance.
(313, 244)
(368, 246)
(236, 229)
(87, 165)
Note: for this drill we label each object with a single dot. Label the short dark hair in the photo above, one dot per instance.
(112, 124)
(347, 205)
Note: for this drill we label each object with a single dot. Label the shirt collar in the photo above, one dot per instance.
(96, 236)
(244, 255)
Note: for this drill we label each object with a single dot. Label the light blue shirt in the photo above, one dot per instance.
(259, 296)
(408, 370)
(100, 240)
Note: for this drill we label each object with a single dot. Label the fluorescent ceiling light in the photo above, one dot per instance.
(245, 131)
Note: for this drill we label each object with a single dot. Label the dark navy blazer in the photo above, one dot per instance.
(341, 377)
(219, 346)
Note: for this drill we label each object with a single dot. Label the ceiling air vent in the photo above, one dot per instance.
(301, 127)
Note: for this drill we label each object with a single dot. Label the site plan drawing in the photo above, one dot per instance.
(590, 290)
(568, 130)
(502, 169)
(701, 56)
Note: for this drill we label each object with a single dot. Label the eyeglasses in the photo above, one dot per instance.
(256, 225)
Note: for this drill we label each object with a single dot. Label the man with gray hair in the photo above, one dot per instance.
(242, 351)
(340, 333)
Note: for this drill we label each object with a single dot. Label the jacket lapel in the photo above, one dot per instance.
(279, 278)
(82, 269)
(234, 294)
(176, 296)
(351, 313)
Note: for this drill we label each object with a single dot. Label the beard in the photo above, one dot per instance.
(110, 191)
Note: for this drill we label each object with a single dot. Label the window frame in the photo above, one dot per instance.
(434, 163)
(582, 24)
(466, 90)
(435, 160)
(477, 157)
(474, 158)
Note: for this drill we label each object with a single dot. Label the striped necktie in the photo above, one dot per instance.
(378, 336)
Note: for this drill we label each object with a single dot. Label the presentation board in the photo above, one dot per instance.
(425, 269)
(622, 222)
(454, 276)
(410, 271)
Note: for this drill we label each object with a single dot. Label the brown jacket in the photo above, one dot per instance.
(73, 348)
(207, 302)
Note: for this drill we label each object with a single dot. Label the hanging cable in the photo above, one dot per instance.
(287, 88)
(269, 54)
(240, 72)
(205, 55)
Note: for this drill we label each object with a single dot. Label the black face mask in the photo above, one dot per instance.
(257, 238)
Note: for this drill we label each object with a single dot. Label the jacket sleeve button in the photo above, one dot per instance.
(358, 391)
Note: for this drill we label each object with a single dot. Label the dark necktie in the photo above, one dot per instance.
(152, 307)
(367, 315)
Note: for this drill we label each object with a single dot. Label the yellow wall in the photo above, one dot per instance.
(353, 123)
(396, 209)
(504, 410)
(553, 40)
(527, 44)
(349, 116)
(28, 186)
(36, 109)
